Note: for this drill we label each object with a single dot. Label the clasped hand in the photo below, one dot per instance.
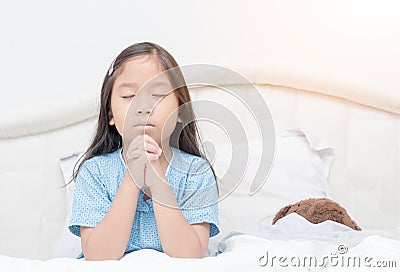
(142, 160)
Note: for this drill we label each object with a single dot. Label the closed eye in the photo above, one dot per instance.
(128, 96)
(159, 95)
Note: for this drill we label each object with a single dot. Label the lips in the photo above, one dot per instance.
(144, 125)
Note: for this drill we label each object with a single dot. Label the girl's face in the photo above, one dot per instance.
(152, 110)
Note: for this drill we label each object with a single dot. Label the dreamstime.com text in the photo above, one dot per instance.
(337, 259)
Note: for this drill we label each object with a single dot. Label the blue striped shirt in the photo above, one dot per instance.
(191, 180)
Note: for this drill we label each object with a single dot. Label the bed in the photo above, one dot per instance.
(336, 123)
(367, 198)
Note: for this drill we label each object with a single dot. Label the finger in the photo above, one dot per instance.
(152, 148)
(150, 140)
(136, 143)
(150, 145)
(152, 157)
(134, 154)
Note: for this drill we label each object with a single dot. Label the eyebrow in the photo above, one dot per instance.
(127, 84)
(158, 83)
(151, 83)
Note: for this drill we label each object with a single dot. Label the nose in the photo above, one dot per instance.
(142, 104)
(140, 111)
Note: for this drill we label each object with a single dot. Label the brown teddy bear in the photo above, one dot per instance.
(317, 210)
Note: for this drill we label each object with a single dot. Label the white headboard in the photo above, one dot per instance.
(363, 178)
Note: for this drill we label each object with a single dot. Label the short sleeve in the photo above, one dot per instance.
(199, 198)
(91, 202)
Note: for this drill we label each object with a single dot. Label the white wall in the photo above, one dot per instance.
(52, 51)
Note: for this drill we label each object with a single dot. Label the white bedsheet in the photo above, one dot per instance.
(292, 237)
(329, 246)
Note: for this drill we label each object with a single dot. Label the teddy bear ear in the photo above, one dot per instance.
(282, 213)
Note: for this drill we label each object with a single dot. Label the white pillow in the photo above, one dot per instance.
(67, 244)
(300, 170)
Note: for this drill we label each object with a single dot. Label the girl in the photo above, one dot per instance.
(143, 182)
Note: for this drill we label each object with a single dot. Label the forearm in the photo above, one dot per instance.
(178, 238)
(108, 240)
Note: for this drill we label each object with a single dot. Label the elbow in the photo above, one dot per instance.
(102, 257)
(195, 250)
(186, 255)
(199, 255)
(195, 253)
(96, 253)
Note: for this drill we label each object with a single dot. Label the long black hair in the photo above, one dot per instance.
(107, 139)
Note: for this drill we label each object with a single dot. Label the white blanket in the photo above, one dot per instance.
(293, 244)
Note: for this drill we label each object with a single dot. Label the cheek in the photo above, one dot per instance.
(167, 114)
(118, 112)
